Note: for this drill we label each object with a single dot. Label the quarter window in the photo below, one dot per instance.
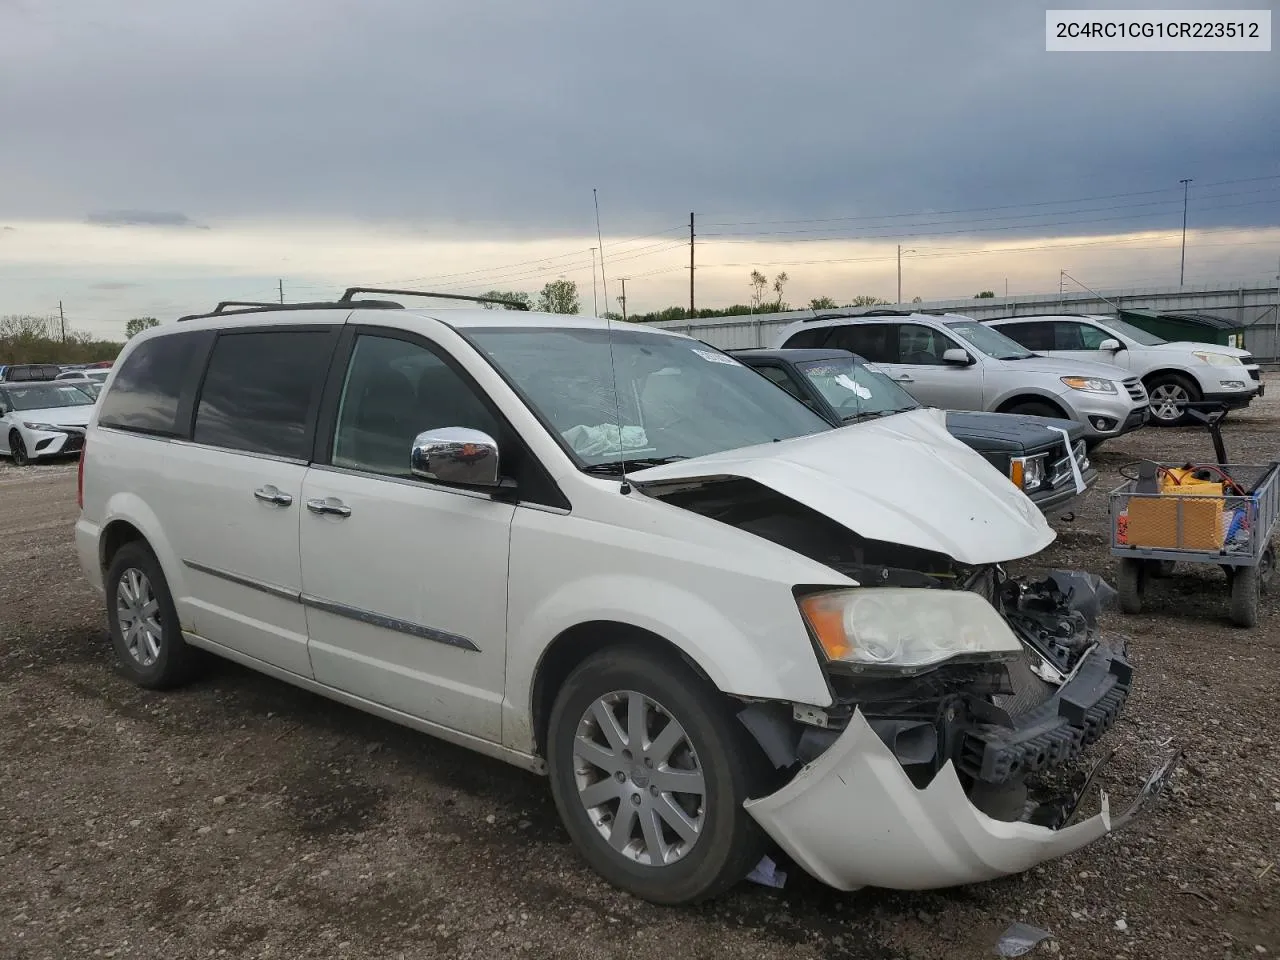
(147, 392)
(395, 390)
(261, 391)
(782, 379)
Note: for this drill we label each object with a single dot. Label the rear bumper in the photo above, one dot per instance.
(86, 539)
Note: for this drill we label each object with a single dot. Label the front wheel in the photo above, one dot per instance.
(18, 449)
(649, 770)
(1033, 408)
(1169, 396)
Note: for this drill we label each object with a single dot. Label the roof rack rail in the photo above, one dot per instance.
(1035, 316)
(351, 291)
(861, 313)
(230, 308)
(346, 302)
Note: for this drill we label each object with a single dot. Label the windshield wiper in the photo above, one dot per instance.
(615, 467)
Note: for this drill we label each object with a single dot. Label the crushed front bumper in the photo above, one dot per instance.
(853, 819)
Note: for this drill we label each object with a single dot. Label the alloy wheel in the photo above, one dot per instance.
(138, 613)
(638, 777)
(1168, 401)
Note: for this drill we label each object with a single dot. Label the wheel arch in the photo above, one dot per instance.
(574, 645)
(1152, 375)
(1019, 398)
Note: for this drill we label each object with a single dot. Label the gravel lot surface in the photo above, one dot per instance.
(240, 817)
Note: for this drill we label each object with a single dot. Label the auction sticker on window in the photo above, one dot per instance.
(1127, 31)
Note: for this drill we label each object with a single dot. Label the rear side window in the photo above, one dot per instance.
(148, 392)
(1033, 336)
(813, 337)
(877, 342)
(262, 389)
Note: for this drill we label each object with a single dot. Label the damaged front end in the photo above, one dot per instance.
(962, 703)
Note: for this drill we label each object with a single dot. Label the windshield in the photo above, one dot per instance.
(43, 396)
(855, 390)
(1132, 332)
(676, 398)
(991, 342)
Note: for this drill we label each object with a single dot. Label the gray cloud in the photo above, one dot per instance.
(140, 218)
(501, 117)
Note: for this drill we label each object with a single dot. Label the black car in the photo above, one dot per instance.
(843, 388)
(27, 372)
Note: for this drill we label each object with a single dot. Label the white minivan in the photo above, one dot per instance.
(616, 556)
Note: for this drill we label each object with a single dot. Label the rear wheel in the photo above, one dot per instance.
(1248, 584)
(144, 622)
(18, 450)
(1130, 584)
(1169, 394)
(649, 770)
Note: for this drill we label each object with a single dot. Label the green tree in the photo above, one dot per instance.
(985, 294)
(917, 300)
(559, 296)
(822, 303)
(865, 300)
(779, 282)
(515, 296)
(138, 324)
(759, 283)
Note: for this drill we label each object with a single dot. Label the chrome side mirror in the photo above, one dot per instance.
(1111, 345)
(456, 455)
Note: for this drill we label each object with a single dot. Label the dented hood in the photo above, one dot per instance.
(902, 479)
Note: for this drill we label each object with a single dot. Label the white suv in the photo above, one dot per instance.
(955, 362)
(616, 556)
(1173, 373)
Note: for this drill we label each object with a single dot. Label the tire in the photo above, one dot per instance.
(1035, 408)
(1248, 584)
(1244, 597)
(728, 842)
(155, 656)
(1165, 391)
(18, 450)
(1131, 583)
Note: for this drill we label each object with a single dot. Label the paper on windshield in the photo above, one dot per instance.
(716, 357)
(850, 384)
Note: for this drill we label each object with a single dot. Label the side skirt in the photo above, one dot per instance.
(525, 761)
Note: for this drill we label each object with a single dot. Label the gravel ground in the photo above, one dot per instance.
(240, 817)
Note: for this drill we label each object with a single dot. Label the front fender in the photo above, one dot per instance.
(754, 652)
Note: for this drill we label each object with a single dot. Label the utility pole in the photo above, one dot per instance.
(692, 312)
(623, 299)
(595, 305)
(1062, 290)
(281, 284)
(900, 253)
(1182, 270)
(1006, 288)
(63, 318)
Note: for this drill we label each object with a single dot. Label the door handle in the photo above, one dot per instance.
(329, 505)
(272, 494)
(904, 379)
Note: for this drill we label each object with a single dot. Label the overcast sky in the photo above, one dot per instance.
(246, 141)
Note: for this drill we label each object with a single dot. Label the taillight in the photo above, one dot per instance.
(80, 476)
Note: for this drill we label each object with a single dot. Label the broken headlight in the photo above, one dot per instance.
(906, 631)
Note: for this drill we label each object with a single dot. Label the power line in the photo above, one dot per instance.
(1007, 206)
(1018, 216)
(763, 238)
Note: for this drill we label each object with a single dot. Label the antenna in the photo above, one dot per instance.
(613, 366)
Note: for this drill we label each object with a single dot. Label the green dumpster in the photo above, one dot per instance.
(1195, 327)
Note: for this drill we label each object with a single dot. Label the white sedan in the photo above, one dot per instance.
(45, 419)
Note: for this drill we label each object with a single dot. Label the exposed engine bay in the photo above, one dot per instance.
(1004, 726)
